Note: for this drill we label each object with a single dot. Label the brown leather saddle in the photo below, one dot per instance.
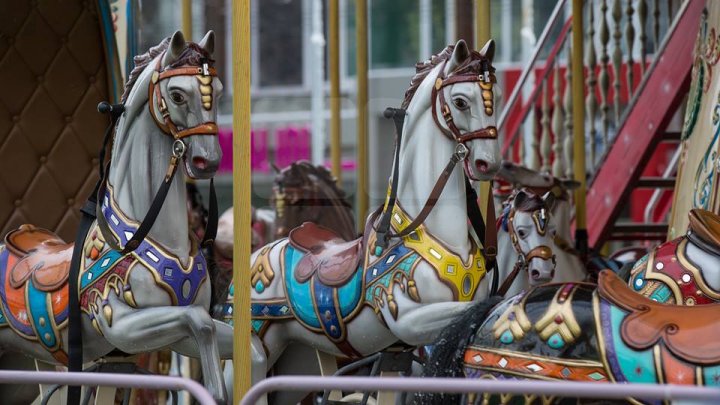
(328, 255)
(706, 226)
(689, 332)
(42, 255)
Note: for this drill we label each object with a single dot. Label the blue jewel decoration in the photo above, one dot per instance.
(507, 337)
(556, 341)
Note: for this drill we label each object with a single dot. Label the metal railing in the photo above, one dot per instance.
(118, 380)
(700, 395)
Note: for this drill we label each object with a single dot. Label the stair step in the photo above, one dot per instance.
(656, 182)
(638, 228)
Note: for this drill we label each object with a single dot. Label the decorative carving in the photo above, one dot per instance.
(630, 41)
(617, 56)
(590, 100)
(567, 101)
(557, 123)
(545, 129)
(604, 74)
(642, 10)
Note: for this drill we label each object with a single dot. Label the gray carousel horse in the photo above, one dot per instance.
(135, 295)
(418, 265)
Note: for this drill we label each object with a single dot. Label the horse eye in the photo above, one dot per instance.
(522, 234)
(461, 103)
(177, 97)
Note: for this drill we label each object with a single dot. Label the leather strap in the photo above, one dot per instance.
(510, 279)
(381, 240)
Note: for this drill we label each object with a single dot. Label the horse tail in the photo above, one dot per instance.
(449, 350)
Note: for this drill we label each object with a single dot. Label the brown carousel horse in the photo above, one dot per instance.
(302, 192)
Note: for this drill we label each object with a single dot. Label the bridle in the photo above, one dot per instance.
(540, 218)
(92, 211)
(487, 234)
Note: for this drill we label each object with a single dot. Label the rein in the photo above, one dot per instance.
(91, 210)
(486, 234)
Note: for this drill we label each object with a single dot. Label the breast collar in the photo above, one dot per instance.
(181, 282)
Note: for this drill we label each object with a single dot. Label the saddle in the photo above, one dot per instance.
(328, 255)
(689, 332)
(706, 225)
(42, 255)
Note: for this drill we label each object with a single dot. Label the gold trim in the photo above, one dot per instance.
(518, 326)
(650, 274)
(697, 273)
(569, 329)
(526, 356)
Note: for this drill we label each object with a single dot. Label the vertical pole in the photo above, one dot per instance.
(482, 35)
(362, 110)
(334, 51)
(187, 19)
(482, 23)
(241, 194)
(578, 93)
(317, 40)
(464, 21)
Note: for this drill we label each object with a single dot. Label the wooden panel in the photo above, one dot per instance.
(642, 129)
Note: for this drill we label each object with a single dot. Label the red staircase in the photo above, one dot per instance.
(644, 126)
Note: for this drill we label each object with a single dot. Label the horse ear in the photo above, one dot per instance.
(520, 198)
(488, 51)
(460, 54)
(549, 199)
(208, 42)
(176, 48)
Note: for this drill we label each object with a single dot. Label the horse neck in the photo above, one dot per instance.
(424, 154)
(561, 213)
(141, 154)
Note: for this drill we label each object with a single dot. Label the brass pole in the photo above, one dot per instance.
(362, 110)
(187, 19)
(334, 53)
(482, 23)
(578, 94)
(482, 35)
(241, 195)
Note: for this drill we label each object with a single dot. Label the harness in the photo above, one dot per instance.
(92, 211)
(486, 234)
(540, 218)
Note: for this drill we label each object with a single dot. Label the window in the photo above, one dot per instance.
(280, 42)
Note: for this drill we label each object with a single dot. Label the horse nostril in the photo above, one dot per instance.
(200, 162)
(482, 166)
(535, 274)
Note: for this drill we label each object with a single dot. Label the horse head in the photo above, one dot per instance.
(532, 232)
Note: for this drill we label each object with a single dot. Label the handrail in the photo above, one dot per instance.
(511, 135)
(459, 385)
(119, 380)
(531, 63)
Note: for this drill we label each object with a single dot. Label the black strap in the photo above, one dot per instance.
(398, 117)
(478, 223)
(212, 220)
(75, 349)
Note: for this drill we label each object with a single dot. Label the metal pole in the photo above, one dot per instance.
(241, 195)
(361, 40)
(482, 23)
(317, 41)
(334, 51)
(187, 19)
(578, 93)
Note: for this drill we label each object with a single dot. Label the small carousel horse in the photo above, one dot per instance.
(686, 270)
(135, 295)
(355, 298)
(573, 331)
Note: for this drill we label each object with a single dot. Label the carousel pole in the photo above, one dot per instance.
(361, 36)
(578, 93)
(187, 19)
(334, 53)
(241, 195)
(482, 35)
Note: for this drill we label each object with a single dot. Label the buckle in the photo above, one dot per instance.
(461, 152)
(179, 148)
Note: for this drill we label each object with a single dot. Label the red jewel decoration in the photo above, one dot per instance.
(559, 319)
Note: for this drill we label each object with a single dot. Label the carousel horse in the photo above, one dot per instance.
(136, 294)
(417, 265)
(578, 332)
(686, 270)
(528, 253)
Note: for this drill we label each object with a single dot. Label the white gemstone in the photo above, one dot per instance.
(639, 282)
(503, 362)
(105, 201)
(114, 219)
(105, 262)
(375, 271)
(534, 367)
(450, 269)
(686, 278)
(128, 235)
(390, 259)
(168, 272)
(435, 253)
(89, 276)
(152, 256)
(398, 219)
(659, 265)
(477, 358)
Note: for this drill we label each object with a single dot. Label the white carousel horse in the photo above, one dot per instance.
(357, 298)
(157, 295)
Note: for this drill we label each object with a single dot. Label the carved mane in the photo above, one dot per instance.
(193, 55)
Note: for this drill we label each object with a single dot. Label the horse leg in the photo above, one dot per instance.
(149, 329)
(422, 324)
